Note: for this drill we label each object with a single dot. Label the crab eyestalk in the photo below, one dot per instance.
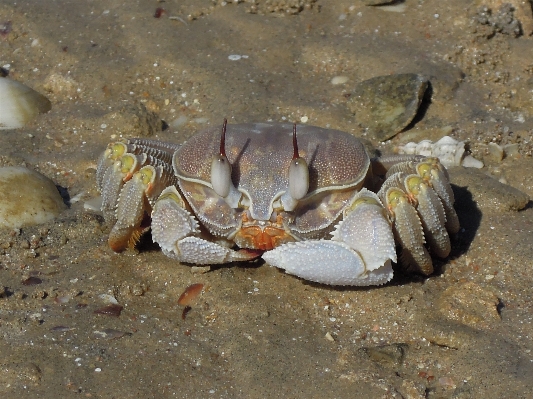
(221, 173)
(298, 172)
(298, 178)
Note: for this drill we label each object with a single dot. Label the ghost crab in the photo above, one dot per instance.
(302, 197)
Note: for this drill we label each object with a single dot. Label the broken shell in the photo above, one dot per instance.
(495, 151)
(449, 151)
(27, 198)
(511, 150)
(19, 104)
(190, 293)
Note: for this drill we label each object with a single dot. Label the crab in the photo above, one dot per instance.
(306, 199)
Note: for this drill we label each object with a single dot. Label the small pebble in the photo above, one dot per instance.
(110, 310)
(32, 281)
(339, 80)
(190, 293)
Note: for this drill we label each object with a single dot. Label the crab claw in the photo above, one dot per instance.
(177, 233)
(360, 252)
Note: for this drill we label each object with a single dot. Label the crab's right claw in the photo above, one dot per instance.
(359, 254)
(178, 234)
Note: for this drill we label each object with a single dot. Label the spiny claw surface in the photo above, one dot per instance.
(176, 231)
(327, 262)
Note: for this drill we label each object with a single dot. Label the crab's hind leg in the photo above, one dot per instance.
(178, 234)
(407, 229)
(359, 254)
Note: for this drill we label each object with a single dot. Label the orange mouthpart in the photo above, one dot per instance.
(262, 238)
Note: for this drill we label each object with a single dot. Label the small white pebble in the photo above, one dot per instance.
(98, 369)
(304, 119)
(339, 80)
(234, 57)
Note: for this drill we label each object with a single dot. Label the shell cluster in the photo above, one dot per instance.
(449, 151)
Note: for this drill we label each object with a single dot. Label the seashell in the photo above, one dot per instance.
(511, 150)
(470, 162)
(425, 148)
(496, 151)
(449, 151)
(19, 104)
(27, 198)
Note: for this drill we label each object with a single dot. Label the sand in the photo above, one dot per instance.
(112, 69)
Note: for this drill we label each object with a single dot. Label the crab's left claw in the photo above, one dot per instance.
(360, 252)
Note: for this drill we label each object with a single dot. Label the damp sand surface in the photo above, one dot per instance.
(76, 318)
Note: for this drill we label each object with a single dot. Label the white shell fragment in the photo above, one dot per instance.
(27, 198)
(19, 104)
(449, 151)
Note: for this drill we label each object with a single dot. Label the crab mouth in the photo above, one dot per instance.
(263, 235)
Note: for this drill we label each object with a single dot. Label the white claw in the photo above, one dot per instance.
(367, 230)
(327, 262)
(174, 229)
(171, 222)
(360, 252)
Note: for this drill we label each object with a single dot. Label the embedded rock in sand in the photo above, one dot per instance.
(27, 198)
(385, 105)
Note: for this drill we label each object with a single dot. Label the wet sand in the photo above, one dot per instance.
(112, 69)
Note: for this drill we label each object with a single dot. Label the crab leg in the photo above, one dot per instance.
(436, 176)
(134, 200)
(177, 233)
(114, 178)
(360, 252)
(407, 228)
(432, 215)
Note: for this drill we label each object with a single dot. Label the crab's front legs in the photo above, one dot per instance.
(133, 203)
(360, 252)
(177, 232)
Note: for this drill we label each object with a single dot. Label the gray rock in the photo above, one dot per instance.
(487, 192)
(385, 105)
